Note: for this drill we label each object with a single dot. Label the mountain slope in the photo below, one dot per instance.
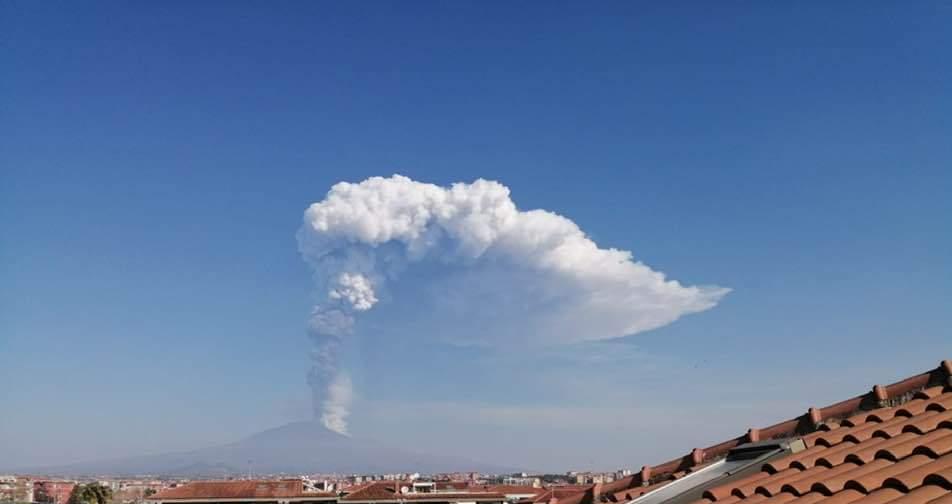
(295, 448)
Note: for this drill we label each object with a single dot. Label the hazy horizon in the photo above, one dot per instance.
(178, 249)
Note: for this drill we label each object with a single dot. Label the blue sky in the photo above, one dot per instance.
(155, 161)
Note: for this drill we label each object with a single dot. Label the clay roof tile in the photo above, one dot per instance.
(917, 406)
(802, 460)
(942, 478)
(807, 483)
(719, 493)
(945, 499)
(914, 407)
(930, 420)
(840, 454)
(845, 497)
(729, 500)
(934, 444)
(872, 480)
(866, 452)
(921, 495)
(865, 431)
(836, 480)
(909, 424)
(834, 437)
(750, 488)
(929, 392)
(810, 439)
(755, 499)
(915, 476)
(881, 496)
(810, 484)
(809, 498)
(796, 485)
(780, 498)
(864, 417)
(772, 486)
(941, 403)
(810, 460)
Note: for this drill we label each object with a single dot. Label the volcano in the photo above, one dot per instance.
(295, 448)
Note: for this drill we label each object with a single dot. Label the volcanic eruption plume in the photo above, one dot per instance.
(505, 275)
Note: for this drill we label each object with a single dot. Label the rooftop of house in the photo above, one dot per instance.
(238, 490)
(391, 491)
(514, 489)
(892, 444)
(561, 492)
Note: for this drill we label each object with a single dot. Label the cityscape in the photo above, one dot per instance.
(514, 487)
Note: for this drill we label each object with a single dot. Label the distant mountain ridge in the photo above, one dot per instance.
(294, 448)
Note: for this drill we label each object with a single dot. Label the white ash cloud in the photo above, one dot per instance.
(335, 408)
(507, 276)
(355, 289)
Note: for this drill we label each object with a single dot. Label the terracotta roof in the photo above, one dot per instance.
(514, 489)
(439, 496)
(885, 454)
(452, 485)
(388, 491)
(893, 443)
(561, 492)
(245, 489)
(358, 487)
(377, 490)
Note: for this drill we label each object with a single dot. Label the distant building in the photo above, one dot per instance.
(452, 486)
(8, 487)
(137, 490)
(529, 481)
(515, 493)
(392, 492)
(24, 491)
(53, 492)
(246, 491)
